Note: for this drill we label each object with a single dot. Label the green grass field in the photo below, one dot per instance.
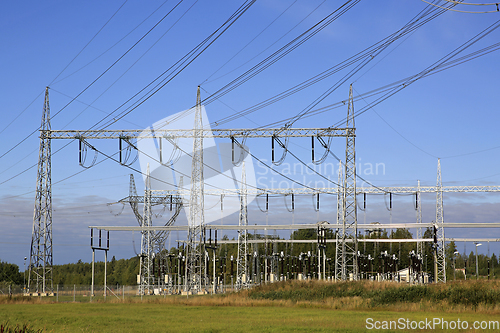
(158, 317)
(165, 317)
(280, 307)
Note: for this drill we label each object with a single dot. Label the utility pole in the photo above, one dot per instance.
(40, 265)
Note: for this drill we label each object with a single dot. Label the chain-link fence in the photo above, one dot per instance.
(83, 293)
(73, 293)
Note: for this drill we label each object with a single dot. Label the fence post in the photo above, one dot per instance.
(74, 293)
(57, 294)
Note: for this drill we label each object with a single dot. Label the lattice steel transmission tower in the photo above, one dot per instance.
(195, 256)
(340, 217)
(241, 263)
(40, 267)
(132, 193)
(147, 253)
(441, 256)
(348, 233)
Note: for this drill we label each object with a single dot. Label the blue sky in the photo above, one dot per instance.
(452, 114)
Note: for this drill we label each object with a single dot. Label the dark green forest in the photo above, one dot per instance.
(124, 271)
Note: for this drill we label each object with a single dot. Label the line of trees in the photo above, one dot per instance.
(9, 274)
(124, 271)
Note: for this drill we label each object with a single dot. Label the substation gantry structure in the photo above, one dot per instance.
(40, 269)
(362, 192)
(152, 243)
(346, 226)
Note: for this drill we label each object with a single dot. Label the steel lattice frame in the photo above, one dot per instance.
(195, 272)
(147, 251)
(157, 238)
(334, 190)
(40, 274)
(348, 232)
(340, 216)
(441, 256)
(40, 267)
(241, 261)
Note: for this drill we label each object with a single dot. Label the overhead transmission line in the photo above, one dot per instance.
(277, 55)
(283, 51)
(436, 66)
(111, 47)
(201, 47)
(495, 4)
(400, 83)
(423, 17)
(250, 42)
(135, 62)
(167, 76)
(276, 41)
(330, 151)
(88, 43)
(444, 63)
(19, 114)
(94, 81)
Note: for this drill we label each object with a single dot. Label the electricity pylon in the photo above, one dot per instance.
(441, 256)
(348, 232)
(146, 256)
(241, 262)
(40, 267)
(195, 256)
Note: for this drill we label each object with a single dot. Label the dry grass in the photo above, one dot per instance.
(454, 297)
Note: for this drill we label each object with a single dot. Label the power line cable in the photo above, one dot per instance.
(224, 27)
(135, 62)
(283, 51)
(426, 15)
(112, 46)
(180, 65)
(95, 80)
(247, 44)
(66, 66)
(467, 11)
(400, 83)
(90, 41)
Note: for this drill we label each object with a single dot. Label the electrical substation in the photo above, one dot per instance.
(335, 250)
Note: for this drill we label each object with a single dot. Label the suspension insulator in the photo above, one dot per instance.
(272, 149)
(119, 149)
(312, 148)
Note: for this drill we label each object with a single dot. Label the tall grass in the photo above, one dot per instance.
(454, 297)
(465, 293)
(6, 328)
